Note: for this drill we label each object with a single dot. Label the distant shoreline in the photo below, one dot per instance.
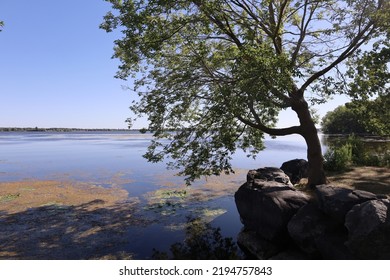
(61, 129)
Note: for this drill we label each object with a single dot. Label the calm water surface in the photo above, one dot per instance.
(115, 158)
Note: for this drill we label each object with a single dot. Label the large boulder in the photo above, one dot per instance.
(368, 225)
(317, 234)
(257, 247)
(269, 175)
(296, 169)
(266, 203)
(337, 201)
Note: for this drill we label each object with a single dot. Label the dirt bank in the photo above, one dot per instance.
(367, 178)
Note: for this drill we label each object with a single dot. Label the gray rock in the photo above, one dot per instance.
(266, 206)
(261, 249)
(317, 234)
(336, 201)
(368, 225)
(268, 174)
(296, 169)
(256, 246)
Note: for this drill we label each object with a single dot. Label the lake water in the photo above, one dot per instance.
(115, 159)
(47, 155)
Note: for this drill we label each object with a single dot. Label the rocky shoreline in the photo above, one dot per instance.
(329, 222)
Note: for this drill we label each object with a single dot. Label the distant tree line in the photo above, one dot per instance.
(368, 117)
(56, 129)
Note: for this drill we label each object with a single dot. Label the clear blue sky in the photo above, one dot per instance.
(56, 68)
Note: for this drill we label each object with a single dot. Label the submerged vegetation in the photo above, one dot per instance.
(9, 197)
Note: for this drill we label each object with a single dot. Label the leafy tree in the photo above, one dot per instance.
(369, 70)
(359, 117)
(374, 115)
(370, 76)
(218, 72)
(342, 121)
(1, 25)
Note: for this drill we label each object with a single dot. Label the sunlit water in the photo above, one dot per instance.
(115, 158)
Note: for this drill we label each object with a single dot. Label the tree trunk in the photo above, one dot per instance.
(316, 172)
(309, 132)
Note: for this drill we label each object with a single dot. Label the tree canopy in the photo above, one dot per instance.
(369, 117)
(342, 121)
(219, 72)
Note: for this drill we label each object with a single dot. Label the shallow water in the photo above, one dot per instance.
(115, 159)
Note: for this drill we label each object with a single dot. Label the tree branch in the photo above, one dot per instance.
(247, 9)
(360, 39)
(269, 130)
(277, 41)
(226, 29)
(303, 32)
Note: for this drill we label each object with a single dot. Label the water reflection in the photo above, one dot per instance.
(202, 242)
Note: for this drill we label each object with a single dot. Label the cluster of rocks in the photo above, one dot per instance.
(282, 222)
